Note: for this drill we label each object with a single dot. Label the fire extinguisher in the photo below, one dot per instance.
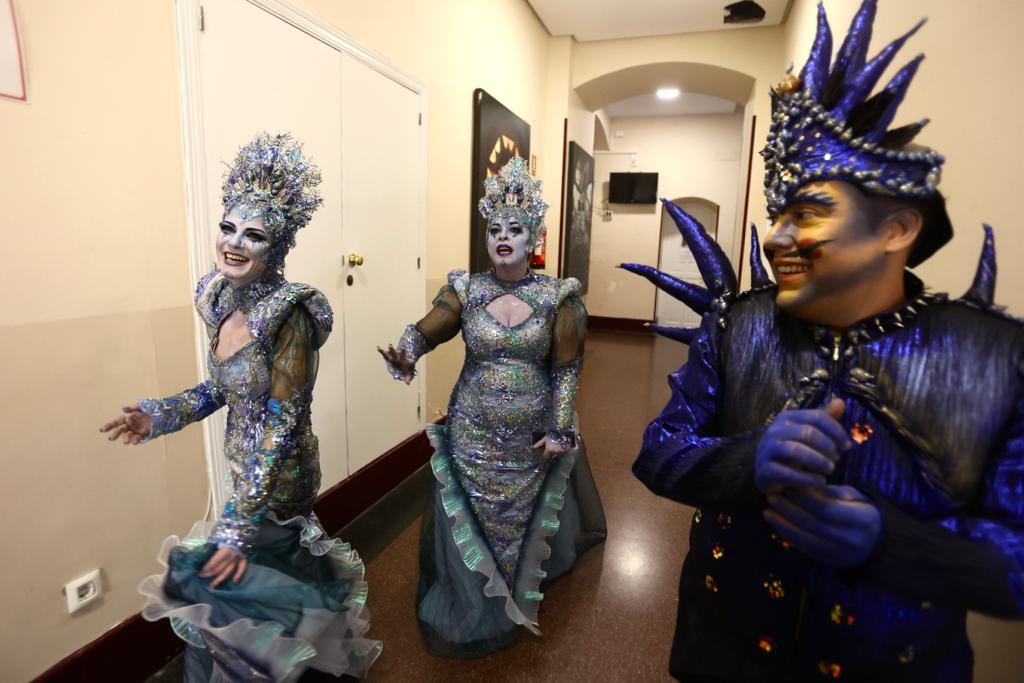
(539, 250)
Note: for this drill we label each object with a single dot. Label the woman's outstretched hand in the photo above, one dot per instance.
(224, 563)
(132, 426)
(399, 359)
(551, 449)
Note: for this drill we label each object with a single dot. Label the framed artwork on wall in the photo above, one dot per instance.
(498, 136)
(12, 62)
(579, 210)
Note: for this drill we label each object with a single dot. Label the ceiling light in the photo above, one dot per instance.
(667, 93)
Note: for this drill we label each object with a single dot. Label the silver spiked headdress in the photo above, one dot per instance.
(271, 178)
(513, 192)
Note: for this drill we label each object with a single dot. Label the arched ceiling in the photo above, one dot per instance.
(687, 76)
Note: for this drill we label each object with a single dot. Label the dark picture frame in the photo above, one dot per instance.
(498, 136)
(579, 213)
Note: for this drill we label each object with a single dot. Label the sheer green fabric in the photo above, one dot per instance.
(444, 320)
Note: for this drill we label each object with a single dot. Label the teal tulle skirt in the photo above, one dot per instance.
(300, 605)
(465, 607)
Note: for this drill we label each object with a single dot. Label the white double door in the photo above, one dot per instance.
(258, 72)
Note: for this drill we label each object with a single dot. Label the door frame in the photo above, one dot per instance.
(189, 16)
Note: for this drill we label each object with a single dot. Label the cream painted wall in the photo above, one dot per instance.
(694, 156)
(99, 309)
(97, 312)
(970, 86)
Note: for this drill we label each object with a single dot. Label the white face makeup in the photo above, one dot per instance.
(243, 247)
(508, 242)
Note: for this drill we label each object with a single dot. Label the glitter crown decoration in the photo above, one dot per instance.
(272, 178)
(514, 193)
(827, 126)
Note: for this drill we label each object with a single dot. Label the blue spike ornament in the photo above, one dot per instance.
(758, 275)
(983, 290)
(815, 71)
(825, 126)
(712, 262)
(695, 297)
(715, 270)
(854, 50)
(684, 335)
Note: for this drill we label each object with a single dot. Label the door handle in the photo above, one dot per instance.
(355, 259)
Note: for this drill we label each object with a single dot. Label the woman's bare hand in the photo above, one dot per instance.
(399, 359)
(551, 449)
(132, 426)
(224, 563)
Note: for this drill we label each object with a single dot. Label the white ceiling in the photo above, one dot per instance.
(605, 19)
(684, 105)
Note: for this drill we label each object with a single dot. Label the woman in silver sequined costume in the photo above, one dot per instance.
(262, 593)
(514, 501)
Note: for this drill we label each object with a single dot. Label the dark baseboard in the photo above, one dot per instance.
(604, 324)
(135, 649)
(348, 499)
(130, 652)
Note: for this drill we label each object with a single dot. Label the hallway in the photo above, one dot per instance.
(612, 617)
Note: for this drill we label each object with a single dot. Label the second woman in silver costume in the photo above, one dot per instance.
(514, 502)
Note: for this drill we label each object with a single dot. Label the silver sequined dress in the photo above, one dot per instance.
(498, 502)
(300, 603)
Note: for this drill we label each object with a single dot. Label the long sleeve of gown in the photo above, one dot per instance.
(176, 412)
(566, 352)
(974, 560)
(682, 457)
(291, 379)
(441, 324)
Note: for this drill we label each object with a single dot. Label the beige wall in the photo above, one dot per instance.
(694, 156)
(970, 86)
(97, 312)
(98, 308)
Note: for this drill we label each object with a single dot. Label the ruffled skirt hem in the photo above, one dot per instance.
(300, 604)
(456, 560)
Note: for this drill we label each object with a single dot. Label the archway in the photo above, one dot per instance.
(708, 79)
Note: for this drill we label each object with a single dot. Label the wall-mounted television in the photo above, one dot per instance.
(633, 188)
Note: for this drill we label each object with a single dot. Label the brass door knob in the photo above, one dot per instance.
(354, 260)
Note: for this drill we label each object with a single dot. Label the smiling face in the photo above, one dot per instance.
(508, 242)
(826, 250)
(243, 248)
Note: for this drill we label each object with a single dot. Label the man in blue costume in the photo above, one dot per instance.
(853, 444)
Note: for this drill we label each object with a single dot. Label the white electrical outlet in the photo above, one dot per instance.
(83, 590)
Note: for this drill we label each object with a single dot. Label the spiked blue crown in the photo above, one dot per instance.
(826, 125)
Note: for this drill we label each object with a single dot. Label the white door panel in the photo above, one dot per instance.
(382, 162)
(362, 128)
(247, 88)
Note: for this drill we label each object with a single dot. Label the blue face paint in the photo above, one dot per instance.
(813, 198)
